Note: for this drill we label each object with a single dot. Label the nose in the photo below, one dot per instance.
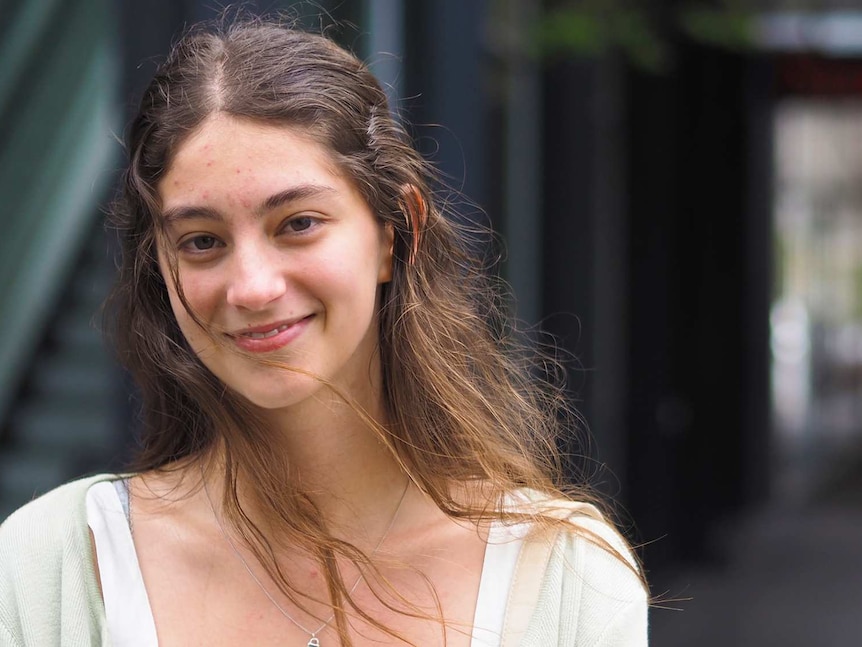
(257, 277)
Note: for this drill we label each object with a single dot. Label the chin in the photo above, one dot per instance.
(283, 396)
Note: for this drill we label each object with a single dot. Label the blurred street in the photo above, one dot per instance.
(787, 576)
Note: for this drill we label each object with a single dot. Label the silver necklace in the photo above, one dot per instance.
(314, 641)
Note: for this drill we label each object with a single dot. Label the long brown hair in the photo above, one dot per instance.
(465, 399)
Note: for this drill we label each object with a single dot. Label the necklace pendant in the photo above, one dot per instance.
(314, 642)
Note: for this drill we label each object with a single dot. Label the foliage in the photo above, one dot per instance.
(593, 28)
(731, 28)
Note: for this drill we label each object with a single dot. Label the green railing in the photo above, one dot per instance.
(58, 120)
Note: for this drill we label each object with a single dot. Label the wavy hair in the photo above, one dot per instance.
(466, 400)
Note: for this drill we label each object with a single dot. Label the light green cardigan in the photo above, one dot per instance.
(49, 595)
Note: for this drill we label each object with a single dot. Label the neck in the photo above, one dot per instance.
(337, 460)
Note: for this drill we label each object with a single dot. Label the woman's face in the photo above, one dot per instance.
(278, 256)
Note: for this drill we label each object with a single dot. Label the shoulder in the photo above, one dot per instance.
(46, 560)
(49, 517)
(592, 551)
(584, 527)
(596, 579)
(43, 531)
(592, 592)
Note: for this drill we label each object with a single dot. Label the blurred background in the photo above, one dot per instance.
(679, 189)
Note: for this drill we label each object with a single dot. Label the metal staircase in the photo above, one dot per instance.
(59, 80)
(65, 421)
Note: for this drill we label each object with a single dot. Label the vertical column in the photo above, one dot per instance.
(444, 83)
(522, 199)
(385, 55)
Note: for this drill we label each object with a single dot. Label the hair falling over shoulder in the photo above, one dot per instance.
(467, 400)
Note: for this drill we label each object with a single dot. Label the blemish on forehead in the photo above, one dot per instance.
(210, 163)
(238, 171)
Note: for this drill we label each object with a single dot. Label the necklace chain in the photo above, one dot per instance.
(314, 641)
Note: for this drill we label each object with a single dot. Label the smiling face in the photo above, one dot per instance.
(279, 257)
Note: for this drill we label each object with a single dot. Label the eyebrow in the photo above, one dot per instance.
(292, 194)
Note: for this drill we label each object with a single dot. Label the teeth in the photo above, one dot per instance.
(265, 335)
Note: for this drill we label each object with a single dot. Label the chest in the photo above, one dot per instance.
(427, 595)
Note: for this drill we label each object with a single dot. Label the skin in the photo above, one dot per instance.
(266, 234)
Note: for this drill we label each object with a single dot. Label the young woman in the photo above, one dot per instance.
(338, 448)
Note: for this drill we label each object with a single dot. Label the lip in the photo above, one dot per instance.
(269, 337)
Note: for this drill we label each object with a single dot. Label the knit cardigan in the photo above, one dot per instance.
(49, 593)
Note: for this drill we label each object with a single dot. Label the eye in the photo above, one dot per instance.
(199, 244)
(300, 223)
(202, 243)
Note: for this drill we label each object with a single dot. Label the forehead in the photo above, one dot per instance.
(229, 150)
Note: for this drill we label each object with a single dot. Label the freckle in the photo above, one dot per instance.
(209, 163)
(238, 171)
(176, 182)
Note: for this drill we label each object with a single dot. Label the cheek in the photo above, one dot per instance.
(198, 338)
(201, 297)
(186, 325)
(180, 313)
(348, 291)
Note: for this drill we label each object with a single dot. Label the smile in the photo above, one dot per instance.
(270, 337)
(266, 335)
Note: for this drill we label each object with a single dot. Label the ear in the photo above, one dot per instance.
(387, 243)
